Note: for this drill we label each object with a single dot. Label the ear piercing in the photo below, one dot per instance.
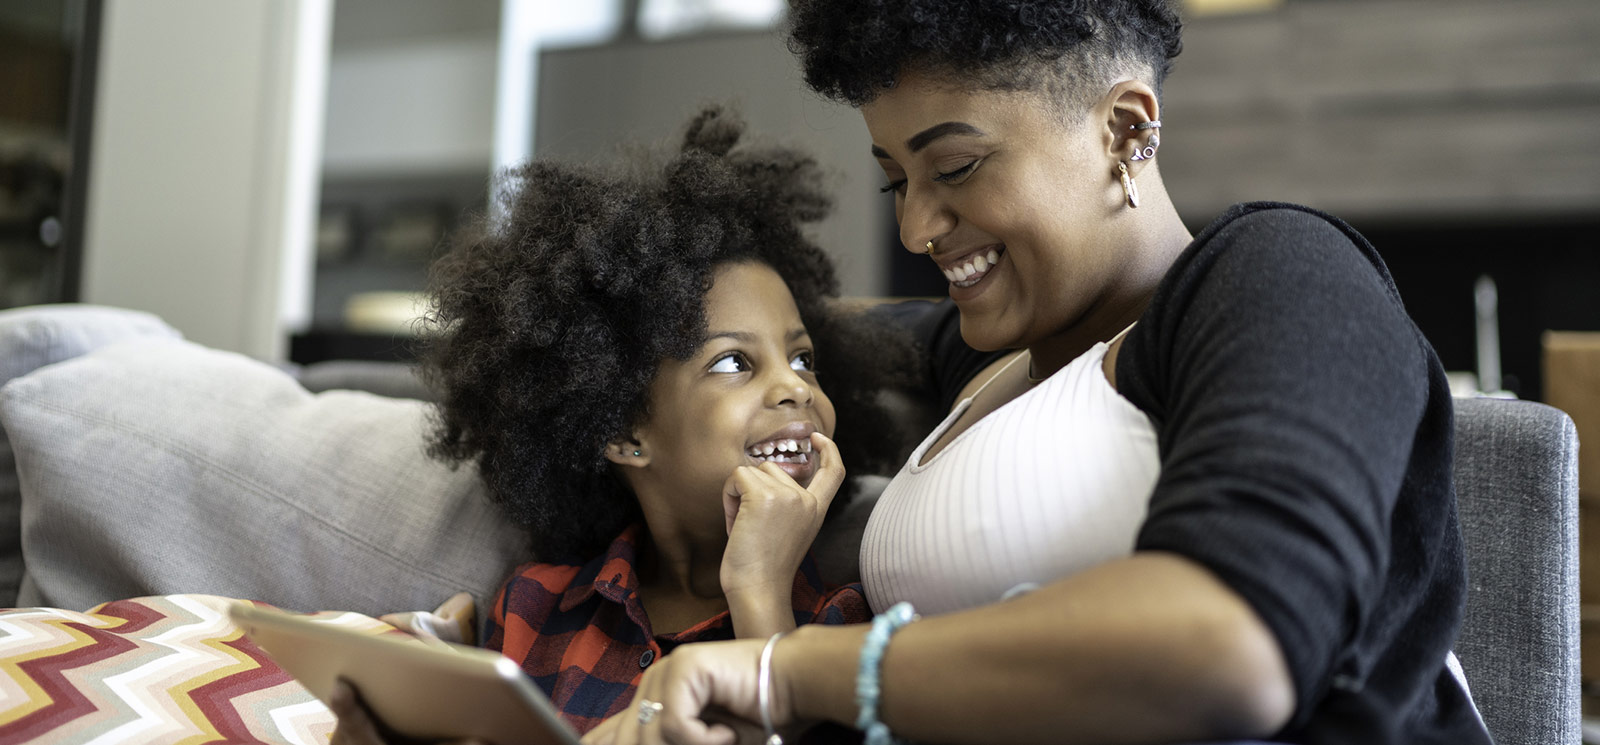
(930, 245)
(1128, 187)
(1149, 151)
(636, 453)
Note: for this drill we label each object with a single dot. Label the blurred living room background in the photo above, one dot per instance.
(273, 176)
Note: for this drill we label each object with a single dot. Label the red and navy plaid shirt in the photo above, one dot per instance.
(581, 633)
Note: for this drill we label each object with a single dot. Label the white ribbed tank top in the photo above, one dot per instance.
(1051, 483)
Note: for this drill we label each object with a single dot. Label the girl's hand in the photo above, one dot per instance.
(707, 693)
(772, 521)
(357, 726)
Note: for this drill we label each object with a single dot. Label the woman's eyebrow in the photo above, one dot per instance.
(927, 136)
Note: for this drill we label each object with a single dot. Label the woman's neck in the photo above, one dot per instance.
(1155, 240)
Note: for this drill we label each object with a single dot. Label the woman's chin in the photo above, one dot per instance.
(982, 332)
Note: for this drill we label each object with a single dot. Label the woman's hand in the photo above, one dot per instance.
(771, 522)
(707, 693)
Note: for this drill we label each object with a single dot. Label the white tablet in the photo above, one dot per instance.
(443, 691)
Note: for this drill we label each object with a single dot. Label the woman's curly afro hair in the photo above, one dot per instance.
(553, 320)
(852, 50)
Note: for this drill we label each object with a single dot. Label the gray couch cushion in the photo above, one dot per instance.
(165, 467)
(392, 379)
(1516, 475)
(31, 338)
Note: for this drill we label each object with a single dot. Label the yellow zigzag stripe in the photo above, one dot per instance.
(20, 646)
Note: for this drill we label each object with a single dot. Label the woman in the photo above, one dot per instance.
(1208, 499)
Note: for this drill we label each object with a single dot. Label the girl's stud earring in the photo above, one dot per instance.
(930, 245)
(637, 453)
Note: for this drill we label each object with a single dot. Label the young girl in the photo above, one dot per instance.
(626, 359)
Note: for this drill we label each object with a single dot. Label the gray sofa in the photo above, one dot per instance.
(146, 465)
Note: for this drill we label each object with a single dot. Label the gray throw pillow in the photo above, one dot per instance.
(164, 467)
(31, 338)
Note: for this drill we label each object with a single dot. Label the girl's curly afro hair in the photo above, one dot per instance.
(553, 320)
(852, 50)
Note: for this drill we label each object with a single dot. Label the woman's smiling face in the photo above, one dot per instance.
(1015, 195)
(748, 395)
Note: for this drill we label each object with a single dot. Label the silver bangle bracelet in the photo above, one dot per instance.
(764, 689)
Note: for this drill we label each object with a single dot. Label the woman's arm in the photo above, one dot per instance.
(1147, 649)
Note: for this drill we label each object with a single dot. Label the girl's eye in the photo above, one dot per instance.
(958, 174)
(803, 362)
(733, 362)
(897, 185)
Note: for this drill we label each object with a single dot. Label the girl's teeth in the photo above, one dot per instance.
(777, 450)
(993, 257)
(981, 263)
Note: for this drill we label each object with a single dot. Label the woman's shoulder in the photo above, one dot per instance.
(1268, 229)
(1276, 250)
(1273, 285)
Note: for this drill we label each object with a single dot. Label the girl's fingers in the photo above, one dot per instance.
(746, 480)
(355, 726)
(830, 468)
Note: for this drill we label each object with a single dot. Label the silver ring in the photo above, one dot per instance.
(649, 710)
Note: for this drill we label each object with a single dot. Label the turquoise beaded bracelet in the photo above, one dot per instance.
(867, 688)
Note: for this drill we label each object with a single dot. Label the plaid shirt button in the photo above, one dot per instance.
(648, 657)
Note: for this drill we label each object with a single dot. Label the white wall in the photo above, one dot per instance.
(418, 106)
(591, 100)
(203, 171)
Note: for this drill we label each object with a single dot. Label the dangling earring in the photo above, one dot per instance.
(1128, 187)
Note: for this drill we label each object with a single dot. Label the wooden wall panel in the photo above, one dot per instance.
(1398, 108)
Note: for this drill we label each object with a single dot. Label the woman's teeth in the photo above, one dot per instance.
(782, 451)
(976, 268)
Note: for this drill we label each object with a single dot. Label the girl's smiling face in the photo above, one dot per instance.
(748, 395)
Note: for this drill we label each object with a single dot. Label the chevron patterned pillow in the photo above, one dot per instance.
(164, 669)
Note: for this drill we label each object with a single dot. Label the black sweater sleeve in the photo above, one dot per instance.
(1287, 385)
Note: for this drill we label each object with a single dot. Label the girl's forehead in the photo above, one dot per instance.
(747, 293)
